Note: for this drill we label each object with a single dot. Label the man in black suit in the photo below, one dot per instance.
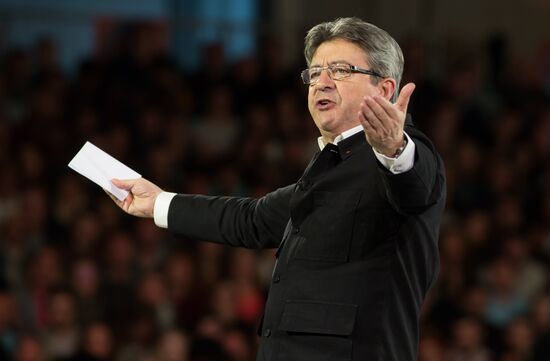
(357, 234)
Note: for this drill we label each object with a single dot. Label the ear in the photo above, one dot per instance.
(386, 87)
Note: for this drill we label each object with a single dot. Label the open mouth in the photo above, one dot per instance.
(324, 104)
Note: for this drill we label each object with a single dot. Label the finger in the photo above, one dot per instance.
(370, 118)
(373, 138)
(404, 97)
(115, 199)
(128, 202)
(373, 118)
(367, 127)
(126, 184)
(377, 109)
(389, 107)
(124, 204)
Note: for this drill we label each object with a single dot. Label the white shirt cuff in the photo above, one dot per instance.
(160, 210)
(401, 164)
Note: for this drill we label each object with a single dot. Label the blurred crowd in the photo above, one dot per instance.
(81, 280)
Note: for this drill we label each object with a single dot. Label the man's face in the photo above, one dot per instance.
(334, 104)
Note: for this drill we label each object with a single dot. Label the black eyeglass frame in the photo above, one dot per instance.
(353, 69)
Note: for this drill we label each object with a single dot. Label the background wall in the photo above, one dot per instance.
(73, 24)
(472, 21)
(237, 23)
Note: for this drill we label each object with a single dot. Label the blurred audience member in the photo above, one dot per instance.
(468, 342)
(85, 284)
(97, 344)
(173, 346)
(504, 302)
(519, 341)
(8, 325)
(60, 338)
(29, 349)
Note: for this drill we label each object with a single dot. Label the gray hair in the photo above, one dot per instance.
(384, 55)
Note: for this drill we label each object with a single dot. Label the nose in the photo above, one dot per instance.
(325, 80)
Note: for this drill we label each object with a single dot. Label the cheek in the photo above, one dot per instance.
(310, 102)
(355, 98)
(310, 96)
(352, 101)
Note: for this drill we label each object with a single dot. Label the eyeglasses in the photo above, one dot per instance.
(335, 71)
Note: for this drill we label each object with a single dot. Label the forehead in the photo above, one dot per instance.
(339, 50)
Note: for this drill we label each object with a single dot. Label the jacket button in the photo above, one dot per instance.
(276, 279)
(267, 332)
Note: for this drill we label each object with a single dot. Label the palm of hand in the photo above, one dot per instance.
(383, 122)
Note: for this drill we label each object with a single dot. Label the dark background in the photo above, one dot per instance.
(205, 97)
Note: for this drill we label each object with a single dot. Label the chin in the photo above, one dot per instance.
(327, 124)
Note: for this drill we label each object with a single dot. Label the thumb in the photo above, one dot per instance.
(126, 184)
(404, 97)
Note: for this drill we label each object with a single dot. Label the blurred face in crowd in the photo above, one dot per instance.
(152, 289)
(224, 301)
(179, 273)
(542, 312)
(85, 280)
(235, 344)
(468, 334)
(45, 269)
(519, 336)
(335, 104)
(98, 341)
(28, 350)
(62, 310)
(8, 310)
(430, 349)
(173, 346)
(503, 275)
(120, 250)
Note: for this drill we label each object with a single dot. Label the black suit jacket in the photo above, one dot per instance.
(357, 251)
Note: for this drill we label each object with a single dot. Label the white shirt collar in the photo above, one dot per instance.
(345, 134)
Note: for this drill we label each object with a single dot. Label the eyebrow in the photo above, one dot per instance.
(332, 63)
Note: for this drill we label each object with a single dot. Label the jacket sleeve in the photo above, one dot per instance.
(239, 222)
(417, 189)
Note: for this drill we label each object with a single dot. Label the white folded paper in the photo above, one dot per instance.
(100, 168)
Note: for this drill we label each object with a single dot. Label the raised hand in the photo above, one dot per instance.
(140, 201)
(383, 121)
